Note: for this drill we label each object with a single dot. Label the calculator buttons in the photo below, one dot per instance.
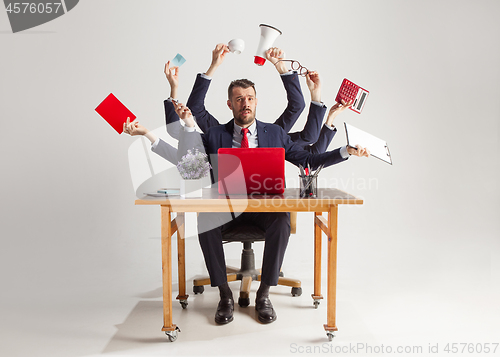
(349, 91)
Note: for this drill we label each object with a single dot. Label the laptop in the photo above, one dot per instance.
(251, 171)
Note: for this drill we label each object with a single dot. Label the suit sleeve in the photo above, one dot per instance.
(298, 155)
(195, 141)
(172, 120)
(311, 132)
(165, 150)
(196, 103)
(190, 140)
(325, 138)
(295, 100)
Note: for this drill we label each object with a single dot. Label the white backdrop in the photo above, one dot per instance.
(72, 239)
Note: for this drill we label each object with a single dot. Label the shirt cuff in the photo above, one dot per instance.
(189, 129)
(203, 75)
(344, 153)
(290, 72)
(155, 144)
(321, 104)
(170, 99)
(332, 128)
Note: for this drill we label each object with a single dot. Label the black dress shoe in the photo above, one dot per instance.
(265, 311)
(224, 312)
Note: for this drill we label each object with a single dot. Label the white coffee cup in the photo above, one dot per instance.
(236, 46)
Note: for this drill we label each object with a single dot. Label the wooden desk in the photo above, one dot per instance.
(327, 201)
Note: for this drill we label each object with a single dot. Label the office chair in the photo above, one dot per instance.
(247, 234)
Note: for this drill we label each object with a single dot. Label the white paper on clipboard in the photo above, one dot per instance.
(377, 147)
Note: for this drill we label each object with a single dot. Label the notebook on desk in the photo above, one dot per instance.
(251, 171)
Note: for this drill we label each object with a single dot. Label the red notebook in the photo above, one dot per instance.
(114, 112)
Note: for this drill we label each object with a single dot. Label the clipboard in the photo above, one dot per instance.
(378, 147)
(114, 112)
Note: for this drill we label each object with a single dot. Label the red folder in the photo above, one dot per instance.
(114, 112)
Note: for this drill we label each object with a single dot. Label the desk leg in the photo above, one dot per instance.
(181, 258)
(330, 326)
(317, 261)
(166, 258)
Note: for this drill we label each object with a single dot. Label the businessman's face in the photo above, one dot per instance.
(243, 103)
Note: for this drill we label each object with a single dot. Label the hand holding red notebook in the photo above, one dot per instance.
(114, 112)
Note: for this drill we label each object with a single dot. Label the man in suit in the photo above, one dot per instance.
(245, 131)
(314, 137)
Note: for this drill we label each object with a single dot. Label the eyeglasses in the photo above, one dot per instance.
(296, 66)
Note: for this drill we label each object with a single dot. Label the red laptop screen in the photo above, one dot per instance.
(251, 171)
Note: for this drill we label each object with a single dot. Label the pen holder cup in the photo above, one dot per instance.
(308, 186)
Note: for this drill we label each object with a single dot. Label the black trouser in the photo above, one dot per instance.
(275, 224)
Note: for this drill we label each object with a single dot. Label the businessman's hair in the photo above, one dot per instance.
(243, 83)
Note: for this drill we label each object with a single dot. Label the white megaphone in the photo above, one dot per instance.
(267, 36)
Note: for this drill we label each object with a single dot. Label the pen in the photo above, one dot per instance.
(301, 168)
(302, 174)
(307, 186)
(318, 170)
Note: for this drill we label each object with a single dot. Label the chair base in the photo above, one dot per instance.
(246, 275)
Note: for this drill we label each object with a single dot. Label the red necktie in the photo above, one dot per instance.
(244, 139)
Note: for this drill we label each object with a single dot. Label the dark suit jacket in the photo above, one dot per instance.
(174, 126)
(269, 135)
(325, 138)
(320, 138)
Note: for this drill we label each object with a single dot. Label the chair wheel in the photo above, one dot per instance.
(243, 302)
(198, 289)
(183, 303)
(172, 335)
(282, 274)
(296, 291)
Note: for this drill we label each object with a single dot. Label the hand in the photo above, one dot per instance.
(172, 74)
(359, 151)
(185, 114)
(314, 85)
(336, 110)
(134, 128)
(274, 55)
(218, 56)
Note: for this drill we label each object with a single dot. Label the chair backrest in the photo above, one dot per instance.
(250, 233)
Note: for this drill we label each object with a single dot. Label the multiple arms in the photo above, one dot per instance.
(218, 56)
(205, 120)
(310, 134)
(135, 128)
(291, 83)
(328, 130)
(158, 146)
(171, 119)
(196, 100)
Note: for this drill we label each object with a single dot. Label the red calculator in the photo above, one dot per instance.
(350, 91)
